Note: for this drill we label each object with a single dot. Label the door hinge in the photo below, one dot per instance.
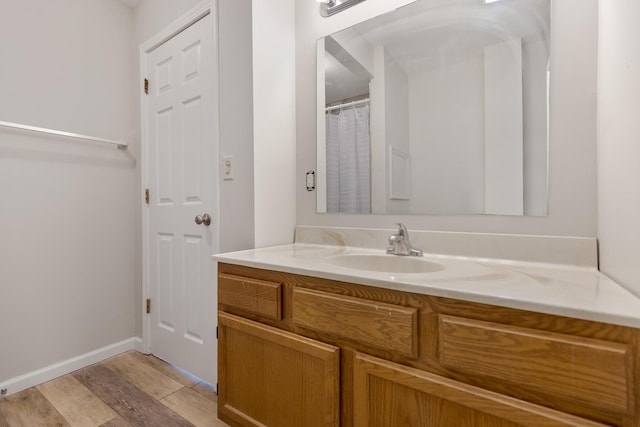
(146, 195)
(217, 389)
(216, 332)
(148, 305)
(146, 86)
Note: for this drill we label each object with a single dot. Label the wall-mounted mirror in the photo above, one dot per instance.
(439, 107)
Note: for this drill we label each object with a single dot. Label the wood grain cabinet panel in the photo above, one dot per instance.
(270, 377)
(255, 296)
(386, 326)
(448, 362)
(588, 371)
(387, 394)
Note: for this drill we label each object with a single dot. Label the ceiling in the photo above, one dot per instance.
(131, 3)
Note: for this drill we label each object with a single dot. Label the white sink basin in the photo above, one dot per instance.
(386, 263)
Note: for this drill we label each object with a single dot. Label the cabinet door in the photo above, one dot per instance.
(270, 377)
(387, 394)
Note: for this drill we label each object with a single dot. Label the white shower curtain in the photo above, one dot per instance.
(348, 161)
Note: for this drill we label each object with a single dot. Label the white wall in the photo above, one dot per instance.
(67, 220)
(70, 217)
(377, 130)
(152, 16)
(618, 147)
(436, 139)
(236, 115)
(534, 58)
(396, 117)
(503, 128)
(274, 78)
(572, 195)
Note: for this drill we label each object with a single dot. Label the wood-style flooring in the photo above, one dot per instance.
(128, 390)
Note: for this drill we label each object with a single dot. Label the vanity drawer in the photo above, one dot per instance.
(385, 326)
(583, 371)
(255, 296)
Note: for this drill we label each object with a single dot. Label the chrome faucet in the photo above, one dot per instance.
(400, 244)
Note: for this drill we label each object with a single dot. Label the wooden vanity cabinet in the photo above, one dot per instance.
(342, 354)
(275, 378)
(388, 394)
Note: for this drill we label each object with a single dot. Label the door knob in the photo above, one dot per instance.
(203, 219)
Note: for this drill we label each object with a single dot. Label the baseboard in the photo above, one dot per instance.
(138, 345)
(30, 379)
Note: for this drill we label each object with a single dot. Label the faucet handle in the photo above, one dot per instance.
(400, 244)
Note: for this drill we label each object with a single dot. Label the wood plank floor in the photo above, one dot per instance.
(128, 390)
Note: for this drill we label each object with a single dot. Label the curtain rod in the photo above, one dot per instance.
(121, 145)
(348, 104)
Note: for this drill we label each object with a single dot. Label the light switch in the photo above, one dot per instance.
(311, 180)
(227, 167)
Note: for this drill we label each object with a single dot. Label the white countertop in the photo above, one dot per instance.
(578, 292)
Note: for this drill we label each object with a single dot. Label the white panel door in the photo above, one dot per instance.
(183, 183)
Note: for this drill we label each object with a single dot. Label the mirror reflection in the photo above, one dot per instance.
(440, 107)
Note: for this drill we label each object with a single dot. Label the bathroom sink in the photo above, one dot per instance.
(386, 263)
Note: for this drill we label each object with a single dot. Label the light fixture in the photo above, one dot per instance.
(331, 7)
